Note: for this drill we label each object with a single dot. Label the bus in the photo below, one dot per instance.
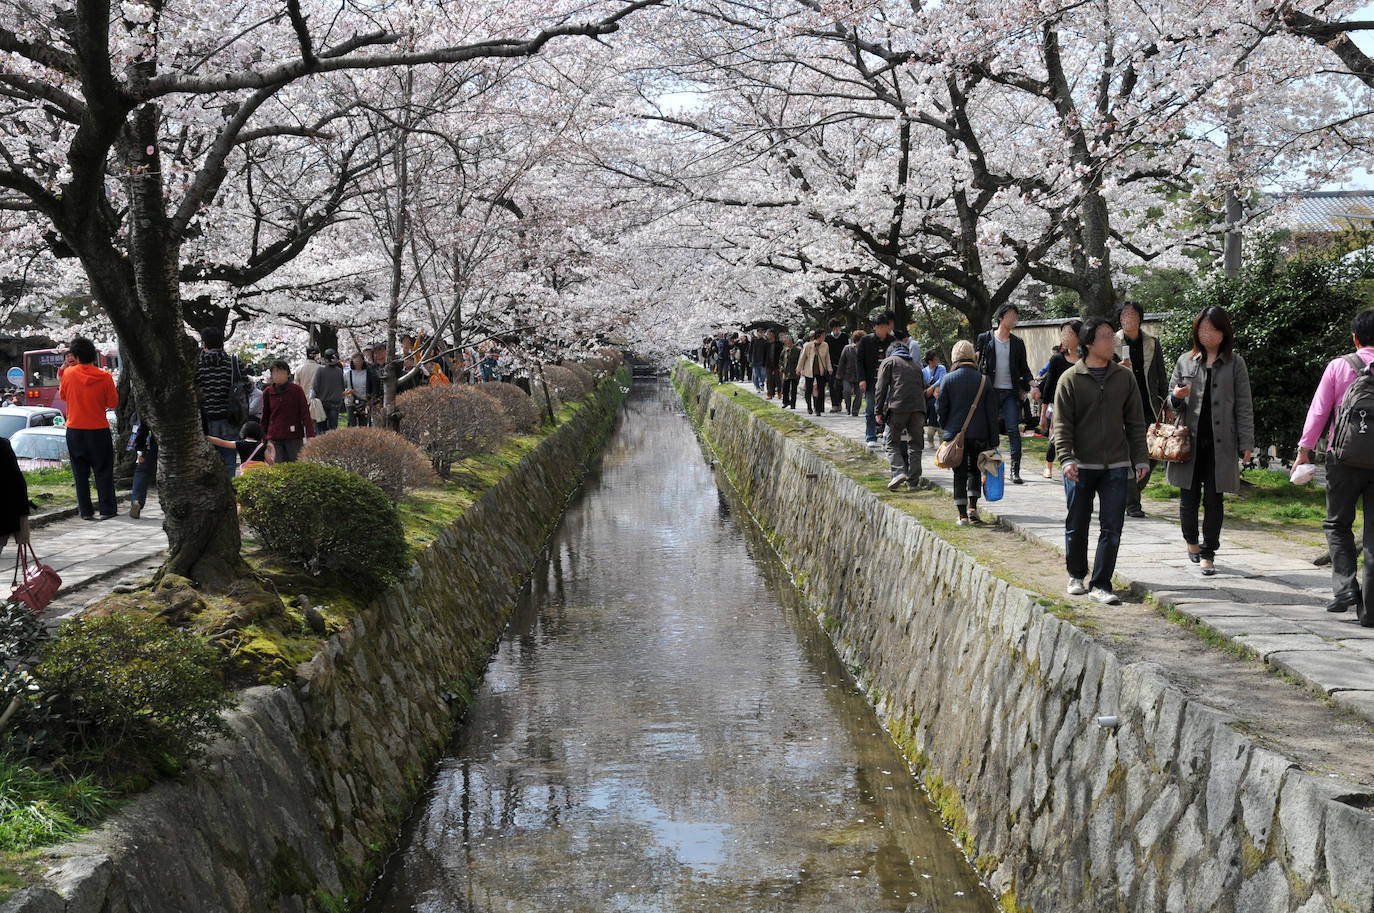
(41, 367)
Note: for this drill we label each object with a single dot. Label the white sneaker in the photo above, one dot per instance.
(896, 480)
(1075, 587)
(1105, 597)
(873, 446)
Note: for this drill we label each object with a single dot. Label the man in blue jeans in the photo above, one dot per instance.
(872, 351)
(1099, 437)
(1002, 356)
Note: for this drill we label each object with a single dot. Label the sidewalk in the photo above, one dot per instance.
(85, 553)
(1266, 603)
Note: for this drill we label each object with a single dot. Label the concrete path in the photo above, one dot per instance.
(85, 553)
(1265, 602)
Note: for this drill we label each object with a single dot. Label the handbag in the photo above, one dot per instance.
(1169, 442)
(40, 582)
(951, 453)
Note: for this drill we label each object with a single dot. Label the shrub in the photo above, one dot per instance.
(383, 457)
(324, 518)
(567, 383)
(452, 422)
(43, 807)
(132, 690)
(583, 373)
(524, 413)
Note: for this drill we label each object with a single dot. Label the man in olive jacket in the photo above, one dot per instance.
(1099, 435)
(899, 402)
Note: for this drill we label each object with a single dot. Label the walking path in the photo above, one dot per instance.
(85, 553)
(1266, 603)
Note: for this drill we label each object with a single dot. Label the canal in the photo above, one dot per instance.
(665, 727)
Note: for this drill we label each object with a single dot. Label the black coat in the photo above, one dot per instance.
(872, 351)
(758, 351)
(957, 393)
(836, 344)
(14, 491)
(1021, 376)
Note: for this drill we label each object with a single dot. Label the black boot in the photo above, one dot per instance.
(1016, 471)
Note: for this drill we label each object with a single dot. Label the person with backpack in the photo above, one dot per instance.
(1346, 393)
(899, 403)
(1212, 385)
(224, 388)
(847, 373)
(328, 387)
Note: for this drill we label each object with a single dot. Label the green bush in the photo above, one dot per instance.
(1291, 317)
(131, 691)
(325, 519)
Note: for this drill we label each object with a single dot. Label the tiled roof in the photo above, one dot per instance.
(1328, 210)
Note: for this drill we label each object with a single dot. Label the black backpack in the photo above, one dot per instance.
(1352, 433)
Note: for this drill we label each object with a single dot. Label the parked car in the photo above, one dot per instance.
(41, 448)
(17, 418)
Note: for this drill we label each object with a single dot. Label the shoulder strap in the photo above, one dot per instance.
(1356, 363)
(982, 382)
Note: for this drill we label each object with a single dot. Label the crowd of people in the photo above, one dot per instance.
(1103, 386)
(250, 423)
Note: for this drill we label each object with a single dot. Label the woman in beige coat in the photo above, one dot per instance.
(815, 367)
(1213, 385)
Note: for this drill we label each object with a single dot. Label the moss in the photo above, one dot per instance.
(287, 875)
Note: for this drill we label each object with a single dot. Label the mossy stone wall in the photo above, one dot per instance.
(297, 808)
(1075, 782)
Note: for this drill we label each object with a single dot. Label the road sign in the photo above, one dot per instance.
(15, 376)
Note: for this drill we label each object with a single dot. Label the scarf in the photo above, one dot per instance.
(902, 351)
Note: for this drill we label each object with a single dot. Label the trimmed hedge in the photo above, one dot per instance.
(324, 518)
(452, 422)
(380, 455)
(524, 413)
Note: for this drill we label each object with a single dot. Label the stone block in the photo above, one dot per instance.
(1361, 702)
(1267, 645)
(1349, 838)
(1330, 670)
(82, 881)
(1267, 891)
(34, 900)
(1259, 793)
(1227, 765)
(1302, 810)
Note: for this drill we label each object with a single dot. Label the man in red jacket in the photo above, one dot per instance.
(88, 391)
(286, 420)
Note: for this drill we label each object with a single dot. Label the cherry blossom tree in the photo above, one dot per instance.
(121, 126)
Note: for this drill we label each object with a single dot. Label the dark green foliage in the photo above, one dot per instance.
(131, 691)
(42, 807)
(325, 519)
(1291, 318)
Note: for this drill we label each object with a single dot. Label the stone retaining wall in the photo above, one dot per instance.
(294, 811)
(997, 702)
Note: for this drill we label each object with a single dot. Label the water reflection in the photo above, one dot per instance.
(664, 728)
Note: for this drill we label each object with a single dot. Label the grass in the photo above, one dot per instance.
(39, 808)
(51, 489)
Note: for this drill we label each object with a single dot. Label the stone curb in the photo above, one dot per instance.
(47, 518)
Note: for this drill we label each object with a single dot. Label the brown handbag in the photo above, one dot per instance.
(951, 452)
(1169, 442)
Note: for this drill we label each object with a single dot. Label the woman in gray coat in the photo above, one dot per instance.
(1213, 385)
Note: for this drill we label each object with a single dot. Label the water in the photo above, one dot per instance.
(666, 728)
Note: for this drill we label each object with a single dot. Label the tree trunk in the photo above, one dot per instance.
(140, 293)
